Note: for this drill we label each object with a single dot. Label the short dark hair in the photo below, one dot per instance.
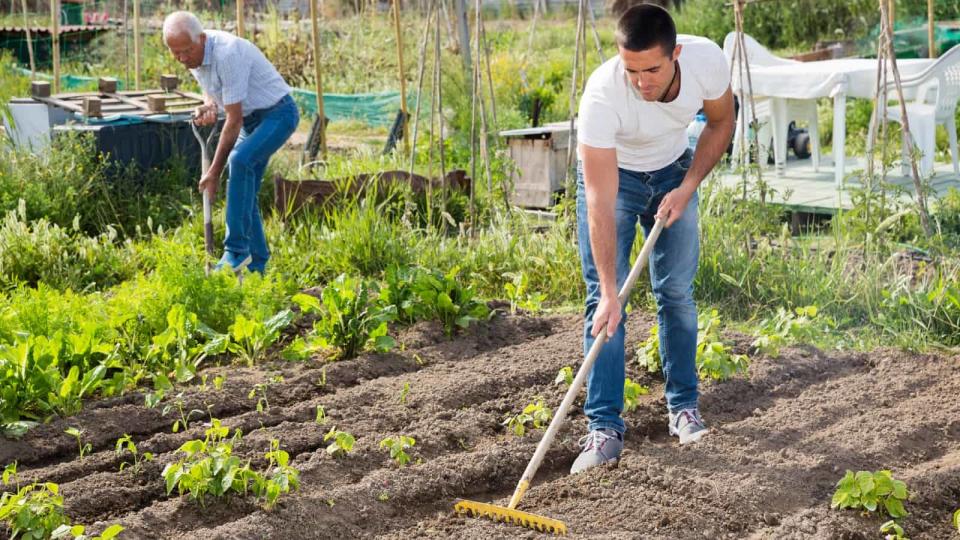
(646, 26)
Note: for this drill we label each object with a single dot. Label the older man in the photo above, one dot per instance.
(260, 116)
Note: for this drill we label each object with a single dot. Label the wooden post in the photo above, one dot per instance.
(136, 44)
(317, 74)
(930, 37)
(240, 18)
(26, 27)
(461, 14)
(403, 77)
(55, 29)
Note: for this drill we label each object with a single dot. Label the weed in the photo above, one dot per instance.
(564, 376)
(78, 434)
(787, 327)
(398, 447)
(631, 394)
(403, 393)
(126, 444)
(517, 293)
(321, 418)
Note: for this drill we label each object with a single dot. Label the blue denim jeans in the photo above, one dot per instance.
(264, 132)
(673, 265)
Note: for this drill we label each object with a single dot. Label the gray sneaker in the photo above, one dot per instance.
(687, 425)
(599, 446)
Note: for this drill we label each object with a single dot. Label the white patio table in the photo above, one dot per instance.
(837, 79)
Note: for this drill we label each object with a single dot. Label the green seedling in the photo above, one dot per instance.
(208, 466)
(322, 380)
(870, 491)
(648, 353)
(956, 520)
(564, 376)
(341, 442)
(77, 434)
(383, 496)
(534, 416)
(279, 477)
(519, 296)
(185, 416)
(403, 393)
(261, 388)
(77, 532)
(125, 445)
(892, 530)
(321, 418)
(398, 447)
(631, 394)
(714, 359)
(218, 382)
(32, 511)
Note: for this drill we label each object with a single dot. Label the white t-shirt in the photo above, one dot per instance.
(649, 135)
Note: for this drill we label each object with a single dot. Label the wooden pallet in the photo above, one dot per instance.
(107, 101)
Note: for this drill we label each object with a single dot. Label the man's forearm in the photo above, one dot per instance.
(603, 244)
(228, 138)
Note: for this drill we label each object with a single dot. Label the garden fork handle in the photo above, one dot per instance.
(584, 371)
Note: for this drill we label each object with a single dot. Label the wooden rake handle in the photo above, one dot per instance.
(584, 371)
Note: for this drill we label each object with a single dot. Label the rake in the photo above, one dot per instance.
(510, 514)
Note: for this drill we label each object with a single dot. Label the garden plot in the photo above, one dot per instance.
(781, 440)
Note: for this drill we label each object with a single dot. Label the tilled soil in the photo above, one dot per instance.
(781, 438)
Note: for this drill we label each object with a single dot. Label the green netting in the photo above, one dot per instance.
(375, 109)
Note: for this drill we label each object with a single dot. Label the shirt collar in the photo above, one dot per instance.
(207, 50)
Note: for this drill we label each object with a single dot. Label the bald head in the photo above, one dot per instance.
(183, 34)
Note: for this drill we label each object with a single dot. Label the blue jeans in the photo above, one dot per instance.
(673, 265)
(264, 132)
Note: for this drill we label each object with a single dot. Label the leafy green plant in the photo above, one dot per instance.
(78, 434)
(893, 531)
(125, 444)
(714, 358)
(321, 417)
(261, 388)
(32, 511)
(185, 416)
(564, 376)
(519, 296)
(251, 337)
(208, 466)
(399, 291)
(787, 327)
(445, 299)
(279, 477)
(398, 447)
(870, 491)
(179, 350)
(534, 416)
(341, 442)
(631, 394)
(648, 353)
(956, 520)
(77, 532)
(350, 321)
(403, 393)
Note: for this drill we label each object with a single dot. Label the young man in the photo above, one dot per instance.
(260, 116)
(635, 166)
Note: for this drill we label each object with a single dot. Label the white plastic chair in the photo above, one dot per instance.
(942, 78)
(774, 121)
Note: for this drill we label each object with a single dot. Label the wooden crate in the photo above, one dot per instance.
(540, 155)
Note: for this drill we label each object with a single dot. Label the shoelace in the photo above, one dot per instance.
(692, 415)
(594, 439)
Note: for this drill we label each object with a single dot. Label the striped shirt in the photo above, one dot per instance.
(235, 71)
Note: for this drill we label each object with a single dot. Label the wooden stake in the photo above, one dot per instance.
(26, 26)
(573, 95)
(55, 29)
(439, 93)
(240, 18)
(402, 74)
(930, 38)
(420, 69)
(136, 44)
(319, 78)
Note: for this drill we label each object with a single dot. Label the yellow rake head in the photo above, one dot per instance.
(509, 515)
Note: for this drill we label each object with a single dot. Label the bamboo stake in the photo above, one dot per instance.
(473, 121)
(596, 35)
(573, 94)
(908, 137)
(126, 48)
(26, 27)
(55, 28)
(136, 44)
(486, 55)
(933, 44)
(321, 117)
(439, 108)
(240, 18)
(403, 78)
(420, 69)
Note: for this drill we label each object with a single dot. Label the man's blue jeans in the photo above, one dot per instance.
(264, 132)
(673, 265)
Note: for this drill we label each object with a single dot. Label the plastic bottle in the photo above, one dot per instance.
(695, 129)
